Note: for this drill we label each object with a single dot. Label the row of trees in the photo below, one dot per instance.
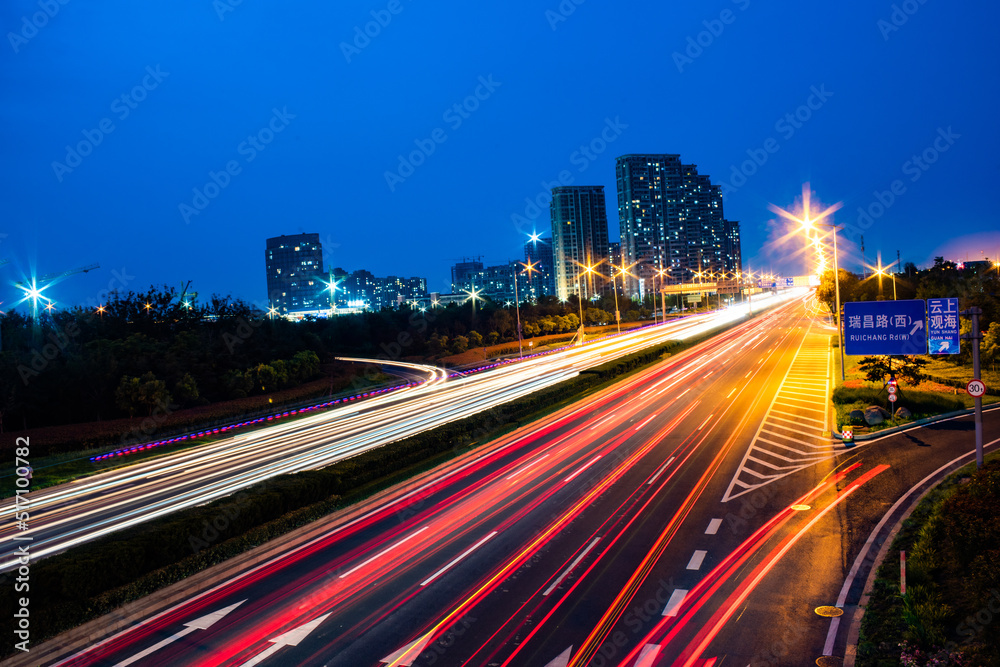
(145, 347)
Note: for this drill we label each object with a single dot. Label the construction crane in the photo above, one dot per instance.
(187, 298)
(33, 289)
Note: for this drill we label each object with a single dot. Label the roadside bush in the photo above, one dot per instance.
(920, 403)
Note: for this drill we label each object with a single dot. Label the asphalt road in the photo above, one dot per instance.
(695, 514)
(71, 514)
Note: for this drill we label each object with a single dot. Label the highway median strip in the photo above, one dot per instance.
(94, 579)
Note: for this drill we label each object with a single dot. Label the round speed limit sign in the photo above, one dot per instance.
(976, 388)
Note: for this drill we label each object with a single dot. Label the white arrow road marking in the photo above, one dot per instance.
(411, 651)
(291, 638)
(203, 623)
(562, 659)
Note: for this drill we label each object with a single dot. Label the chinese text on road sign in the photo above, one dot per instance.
(942, 326)
(885, 327)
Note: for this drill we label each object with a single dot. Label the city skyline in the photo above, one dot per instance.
(165, 162)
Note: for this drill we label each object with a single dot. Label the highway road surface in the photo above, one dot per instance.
(695, 514)
(74, 513)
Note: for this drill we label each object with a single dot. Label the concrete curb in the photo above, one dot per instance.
(858, 611)
(915, 424)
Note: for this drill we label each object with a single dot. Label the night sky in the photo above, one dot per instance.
(309, 118)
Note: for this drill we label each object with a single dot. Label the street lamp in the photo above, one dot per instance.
(579, 291)
(663, 295)
(836, 278)
(517, 303)
(473, 295)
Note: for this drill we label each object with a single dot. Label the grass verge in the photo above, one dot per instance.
(950, 614)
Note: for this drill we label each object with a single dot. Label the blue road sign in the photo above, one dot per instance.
(942, 326)
(885, 327)
(789, 282)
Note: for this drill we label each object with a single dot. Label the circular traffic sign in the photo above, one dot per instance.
(976, 388)
(892, 389)
(892, 398)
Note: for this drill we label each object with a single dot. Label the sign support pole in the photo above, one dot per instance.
(974, 338)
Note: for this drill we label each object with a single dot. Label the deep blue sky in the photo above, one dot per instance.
(325, 171)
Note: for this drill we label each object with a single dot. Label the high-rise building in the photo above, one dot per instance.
(295, 273)
(541, 279)
(361, 290)
(579, 239)
(671, 219)
(734, 249)
(466, 274)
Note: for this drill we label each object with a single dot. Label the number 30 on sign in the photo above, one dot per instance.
(976, 388)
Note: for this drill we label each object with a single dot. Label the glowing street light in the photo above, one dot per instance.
(271, 312)
(579, 291)
(473, 295)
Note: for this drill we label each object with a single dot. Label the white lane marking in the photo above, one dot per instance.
(647, 656)
(585, 466)
(383, 552)
(602, 421)
(459, 558)
(675, 601)
(697, 558)
(792, 414)
(645, 422)
(525, 467)
(713, 526)
(662, 468)
(831, 636)
(706, 421)
(576, 561)
(732, 392)
(705, 377)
